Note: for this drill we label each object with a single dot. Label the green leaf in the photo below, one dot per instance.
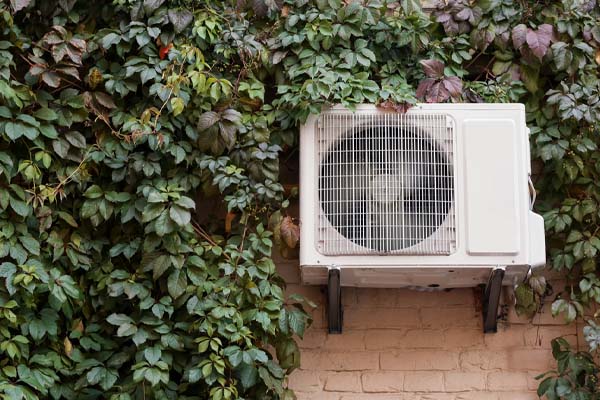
(32, 245)
(159, 266)
(118, 319)
(19, 206)
(179, 215)
(288, 354)
(177, 283)
(46, 114)
(248, 375)
(109, 380)
(95, 375)
(530, 76)
(37, 330)
(126, 330)
(297, 321)
(177, 105)
(7, 271)
(152, 375)
(13, 130)
(69, 286)
(93, 192)
(151, 211)
(110, 39)
(152, 354)
(180, 19)
(5, 112)
(76, 139)
(263, 318)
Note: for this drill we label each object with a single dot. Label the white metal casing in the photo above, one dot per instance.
(494, 224)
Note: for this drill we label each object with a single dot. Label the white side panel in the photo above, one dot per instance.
(308, 192)
(492, 217)
(537, 246)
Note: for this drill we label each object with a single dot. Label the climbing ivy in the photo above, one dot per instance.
(140, 197)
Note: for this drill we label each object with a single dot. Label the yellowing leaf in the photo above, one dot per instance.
(290, 232)
(68, 346)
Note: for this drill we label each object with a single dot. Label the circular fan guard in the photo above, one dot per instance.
(386, 188)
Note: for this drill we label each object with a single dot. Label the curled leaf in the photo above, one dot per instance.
(290, 232)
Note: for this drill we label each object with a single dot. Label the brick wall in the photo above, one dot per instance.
(401, 344)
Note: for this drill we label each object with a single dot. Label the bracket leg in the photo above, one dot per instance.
(334, 301)
(491, 300)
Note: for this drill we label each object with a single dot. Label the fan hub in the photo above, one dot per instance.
(386, 188)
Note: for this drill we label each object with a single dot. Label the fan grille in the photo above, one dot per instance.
(386, 184)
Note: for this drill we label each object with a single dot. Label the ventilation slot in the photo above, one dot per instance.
(386, 184)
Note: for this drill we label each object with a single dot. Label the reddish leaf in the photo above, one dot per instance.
(539, 40)
(164, 50)
(433, 68)
(464, 14)
(390, 105)
(278, 56)
(52, 38)
(19, 4)
(207, 120)
(79, 44)
(437, 94)
(482, 38)
(290, 232)
(443, 17)
(61, 30)
(545, 32)
(104, 100)
(424, 87)
(519, 35)
(51, 79)
(71, 71)
(74, 54)
(228, 220)
(38, 69)
(59, 52)
(454, 86)
(473, 97)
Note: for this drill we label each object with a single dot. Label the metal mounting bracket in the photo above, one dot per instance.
(335, 312)
(491, 300)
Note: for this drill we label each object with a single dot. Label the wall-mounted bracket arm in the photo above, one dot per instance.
(334, 301)
(491, 300)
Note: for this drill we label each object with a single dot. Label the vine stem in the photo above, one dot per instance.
(204, 235)
(66, 180)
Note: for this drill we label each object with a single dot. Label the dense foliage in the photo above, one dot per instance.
(140, 196)
(123, 123)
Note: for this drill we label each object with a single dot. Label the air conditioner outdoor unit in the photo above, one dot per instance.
(439, 197)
